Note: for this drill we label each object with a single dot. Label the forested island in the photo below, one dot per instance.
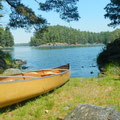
(6, 37)
(67, 35)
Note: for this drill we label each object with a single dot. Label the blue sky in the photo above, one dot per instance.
(91, 13)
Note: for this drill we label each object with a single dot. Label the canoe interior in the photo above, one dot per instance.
(35, 74)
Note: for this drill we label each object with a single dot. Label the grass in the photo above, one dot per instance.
(103, 91)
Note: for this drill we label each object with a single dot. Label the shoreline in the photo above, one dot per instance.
(67, 45)
(6, 49)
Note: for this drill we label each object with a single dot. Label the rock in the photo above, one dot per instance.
(92, 112)
(20, 62)
(66, 108)
(93, 66)
(46, 111)
(101, 68)
(91, 72)
(112, 106)
(11, 71)
(24, 67)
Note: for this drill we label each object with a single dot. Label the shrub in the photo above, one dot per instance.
(109, 55)
(5, 60)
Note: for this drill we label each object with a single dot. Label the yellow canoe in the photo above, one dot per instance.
(23, 86)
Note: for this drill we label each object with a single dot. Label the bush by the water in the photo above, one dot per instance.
(5, 60)
(110, 56)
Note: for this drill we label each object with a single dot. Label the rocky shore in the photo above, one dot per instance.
(64, 44)
(13, 68)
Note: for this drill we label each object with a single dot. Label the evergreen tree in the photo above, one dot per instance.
(62, 34)
(113, 12)
(6, 38)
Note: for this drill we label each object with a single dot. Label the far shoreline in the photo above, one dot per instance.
(57, 45)
(68, 45)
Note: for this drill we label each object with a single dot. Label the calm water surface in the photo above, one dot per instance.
(82, 59)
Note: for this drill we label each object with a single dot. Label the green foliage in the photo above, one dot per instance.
(110, 55)
(62, 34)
(6, 59)
(112, 69)
(66, 8)
(112, 12)
(6, 38)
(22, 16)
(5, 55)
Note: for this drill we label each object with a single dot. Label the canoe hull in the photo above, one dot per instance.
(18, 91)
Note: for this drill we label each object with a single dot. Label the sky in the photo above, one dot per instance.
(91, 13)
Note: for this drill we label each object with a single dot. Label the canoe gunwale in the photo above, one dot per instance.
(36, 78)
(5, 76)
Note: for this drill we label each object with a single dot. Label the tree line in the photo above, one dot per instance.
(6, 37)
(62, 34)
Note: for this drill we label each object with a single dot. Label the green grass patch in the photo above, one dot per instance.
(103, 91)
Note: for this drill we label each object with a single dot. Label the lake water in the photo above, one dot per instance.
(82, 59)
